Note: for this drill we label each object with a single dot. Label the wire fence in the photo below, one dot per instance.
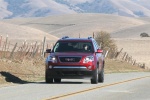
(124, 56)
(25, 50)
(36, 50)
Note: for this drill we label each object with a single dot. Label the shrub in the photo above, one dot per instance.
(144, 34)
(106, 43)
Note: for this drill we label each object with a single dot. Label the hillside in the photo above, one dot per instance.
(73, 24)
(17, 33)
(129, 39)
(42, 8)
(133, 32)
(125, 30)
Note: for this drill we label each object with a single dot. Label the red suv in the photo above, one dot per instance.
(75, 58)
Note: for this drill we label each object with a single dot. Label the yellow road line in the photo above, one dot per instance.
(94, 88)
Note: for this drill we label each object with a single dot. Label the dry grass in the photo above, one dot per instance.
(138, 48)
(115, 66)
(25, 71)
(33, 70)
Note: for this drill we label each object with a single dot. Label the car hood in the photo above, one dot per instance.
(71, 54)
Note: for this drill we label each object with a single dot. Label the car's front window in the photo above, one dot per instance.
(73, 47)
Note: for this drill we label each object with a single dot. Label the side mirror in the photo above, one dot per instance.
(48, 50)
(99, 51)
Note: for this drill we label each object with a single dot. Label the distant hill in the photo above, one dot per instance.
(40, 8)
(84, 24)
(17, 33)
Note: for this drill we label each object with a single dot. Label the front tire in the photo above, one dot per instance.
(94, 79)
(101, 76)
(57, 80)
(47, 79)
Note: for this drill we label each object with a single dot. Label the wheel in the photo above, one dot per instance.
(94, 79)
(57, 80)
(47, 79)
(101, 76)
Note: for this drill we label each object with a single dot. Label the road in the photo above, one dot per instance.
(117, 86)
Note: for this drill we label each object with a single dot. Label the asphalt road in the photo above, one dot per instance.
(118, 86)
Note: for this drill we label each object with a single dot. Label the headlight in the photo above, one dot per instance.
(88, 59)
(52, 59)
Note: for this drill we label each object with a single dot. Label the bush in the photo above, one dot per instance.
(144, 34)
(106, 43)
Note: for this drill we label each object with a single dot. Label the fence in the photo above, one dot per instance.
(37, 49)
(23, 50)
(124, 56)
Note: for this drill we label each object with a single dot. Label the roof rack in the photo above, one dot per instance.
(65, 37)
(89, 37)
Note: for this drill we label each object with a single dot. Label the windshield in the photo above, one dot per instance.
(73, 47)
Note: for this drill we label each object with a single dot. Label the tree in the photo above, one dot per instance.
(144, 34)
(106, 43)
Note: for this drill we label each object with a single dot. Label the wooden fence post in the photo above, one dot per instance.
(118, 53)
(134, 62)
(0, 40)
(25, 50)
(11, 55)
(8, 46)
(124, 56)
(0, 45)
(106, 53)
(40, 50)
(34, 49)
(31, 50)
(28, 50)
(5, 46)
(79, 35)
(47, 46)
(93, 35)
(43, 48)
(130, 59)
(21, 51)
(143, 65)
(6, 43)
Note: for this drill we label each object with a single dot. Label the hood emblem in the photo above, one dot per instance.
(69, 59)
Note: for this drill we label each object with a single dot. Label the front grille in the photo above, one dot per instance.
(69, 59)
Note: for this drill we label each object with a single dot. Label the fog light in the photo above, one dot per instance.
(50, 67)
(89, 67)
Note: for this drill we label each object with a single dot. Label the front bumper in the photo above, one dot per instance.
(71, 72)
